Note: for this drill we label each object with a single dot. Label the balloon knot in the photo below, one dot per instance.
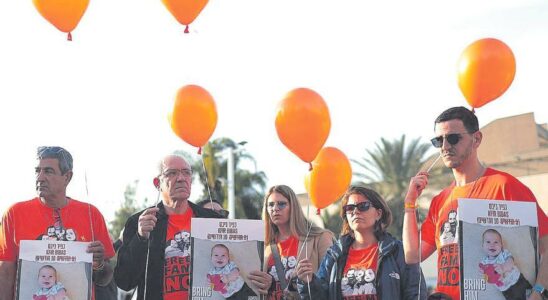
(473, 110)
(186, 29)
(69, 37)
(199, 150)
(318, 211)
(310, 167)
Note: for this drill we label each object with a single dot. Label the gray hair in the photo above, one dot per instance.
(177, 153)
(59, 153)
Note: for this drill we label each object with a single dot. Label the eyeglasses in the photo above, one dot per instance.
(452, 139)
(174, 173)
(281, 205)
(362, 206)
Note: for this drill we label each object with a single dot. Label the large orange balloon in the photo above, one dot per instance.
(63, 14)
(185, 11)
(329, 178)
(303, 123)
(486, 70)
(194, 115)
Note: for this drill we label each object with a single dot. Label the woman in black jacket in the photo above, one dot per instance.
(367, 262)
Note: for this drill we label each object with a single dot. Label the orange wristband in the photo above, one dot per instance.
(410, 205)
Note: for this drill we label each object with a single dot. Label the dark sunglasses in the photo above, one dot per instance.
(362, 206)
(452, 139)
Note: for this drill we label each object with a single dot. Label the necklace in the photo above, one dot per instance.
(55, 220)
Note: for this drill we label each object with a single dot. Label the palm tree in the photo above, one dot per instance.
(249, 186)
(388, 168)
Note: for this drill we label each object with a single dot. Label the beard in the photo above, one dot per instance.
(456, 160)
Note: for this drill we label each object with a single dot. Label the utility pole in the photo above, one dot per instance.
(230, 179)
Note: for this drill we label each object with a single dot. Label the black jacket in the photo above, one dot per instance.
(394, 278)
(132, 256)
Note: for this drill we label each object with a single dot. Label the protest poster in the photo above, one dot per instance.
(499, 248)
(224, 251)
(54, 268)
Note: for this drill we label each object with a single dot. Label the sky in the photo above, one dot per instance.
(384, 68)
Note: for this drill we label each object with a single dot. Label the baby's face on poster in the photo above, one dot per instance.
(446, 227)
(219, 257)
(47, 278)
(492, 245)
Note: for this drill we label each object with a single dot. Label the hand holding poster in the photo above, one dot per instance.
(223, 253)
(54, 270)
(499, 248)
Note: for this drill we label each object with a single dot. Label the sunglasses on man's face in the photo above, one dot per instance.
(452, 139)
(362, 206)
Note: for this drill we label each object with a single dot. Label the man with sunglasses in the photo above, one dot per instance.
(458, 138)
(50, 213)
(150, 234)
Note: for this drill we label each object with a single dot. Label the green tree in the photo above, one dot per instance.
(249, 187)
(388, 169)
(332, 220)
(128, 208)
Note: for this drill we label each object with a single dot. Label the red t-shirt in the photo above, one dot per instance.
(494, 185)
(177, 254)
(358, 278)
(288, 254)
(33, 220)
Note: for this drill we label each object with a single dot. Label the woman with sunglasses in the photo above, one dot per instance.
(367, 262)
(289, 238)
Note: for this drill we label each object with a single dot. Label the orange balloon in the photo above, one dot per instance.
(329, 178)
(486, 70)
(303, 123)
(185, 11)
(194, 115)
(63, 14)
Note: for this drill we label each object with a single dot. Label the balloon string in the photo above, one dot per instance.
(69, 37)
(318, 211)
(186, 29)
(310, 167)
(206, 180)
(473, 110)
(199, 150)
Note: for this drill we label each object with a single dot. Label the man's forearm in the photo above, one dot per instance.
(7, 279)
(410, 236)
(104, 276)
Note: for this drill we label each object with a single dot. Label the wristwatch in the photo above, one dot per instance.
(541, 290)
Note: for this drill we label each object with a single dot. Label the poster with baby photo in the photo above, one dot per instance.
(498, 245)
(224, 251)
(54, 270)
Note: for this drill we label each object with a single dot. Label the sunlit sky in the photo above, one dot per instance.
(385, 68)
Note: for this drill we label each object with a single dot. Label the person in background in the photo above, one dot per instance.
(215, 206)
(367, 262)
(289, 238)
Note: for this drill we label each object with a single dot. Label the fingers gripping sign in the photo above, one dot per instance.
(98, 250)
(147, 222)
(261, 280)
